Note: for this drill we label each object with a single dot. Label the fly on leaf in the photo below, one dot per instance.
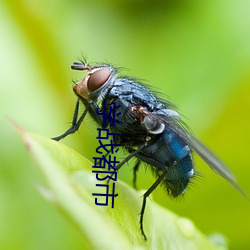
(151, 129)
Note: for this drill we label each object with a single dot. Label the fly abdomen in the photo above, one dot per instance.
(168, 153)
(178, 176)
(180, 166)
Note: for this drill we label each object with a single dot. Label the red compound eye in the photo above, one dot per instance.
(97, 79)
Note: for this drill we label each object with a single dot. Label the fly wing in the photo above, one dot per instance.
(175, 124)
(208, 156)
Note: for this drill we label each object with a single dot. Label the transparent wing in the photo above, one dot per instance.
(207, 155)
(175, 124)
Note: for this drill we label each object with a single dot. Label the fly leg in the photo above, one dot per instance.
(136, 167)
(132, 154)
(127, 158)
(145, 196)
(75, 123)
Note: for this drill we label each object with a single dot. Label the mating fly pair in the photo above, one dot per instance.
(151, 129)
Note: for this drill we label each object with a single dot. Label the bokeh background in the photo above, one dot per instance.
(195, 52)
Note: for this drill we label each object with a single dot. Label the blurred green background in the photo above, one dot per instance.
(196, 52)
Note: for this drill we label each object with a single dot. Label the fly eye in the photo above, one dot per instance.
(97, 79)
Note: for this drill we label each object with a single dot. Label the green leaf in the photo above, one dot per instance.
(69, 186)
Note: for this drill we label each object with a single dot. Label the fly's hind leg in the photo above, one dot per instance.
(145, 196)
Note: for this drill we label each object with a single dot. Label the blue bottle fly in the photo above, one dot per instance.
(151, 129)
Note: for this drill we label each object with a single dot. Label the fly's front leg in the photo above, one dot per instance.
(145, 196)
(75, 123)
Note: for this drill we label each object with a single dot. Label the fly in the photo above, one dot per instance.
(151, 129)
